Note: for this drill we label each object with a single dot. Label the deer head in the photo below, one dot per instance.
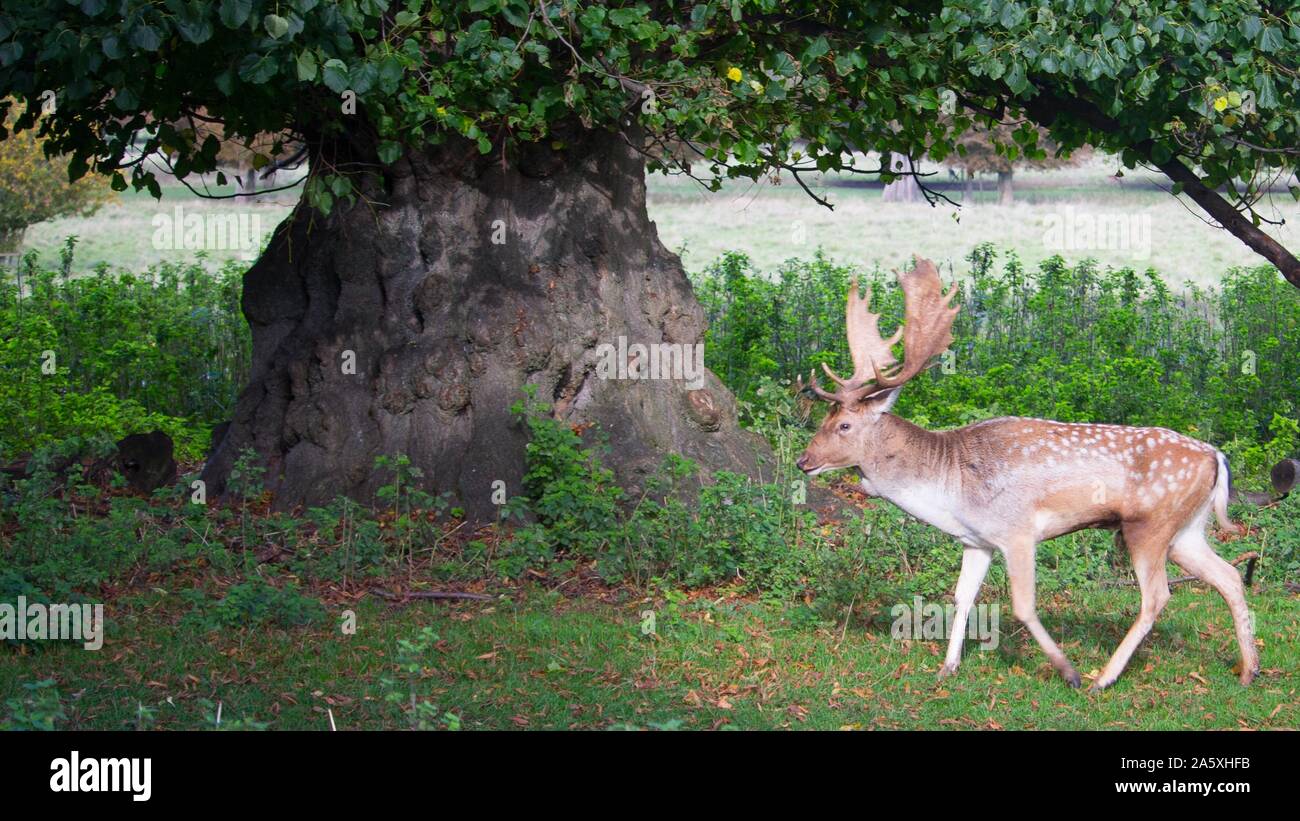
(850, 430)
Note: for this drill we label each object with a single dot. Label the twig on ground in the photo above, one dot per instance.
(429, 594)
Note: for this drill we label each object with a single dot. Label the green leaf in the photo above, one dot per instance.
(625, 17)
(234, 13)
(363, 76)
(1265, 91)
(389, 152)
(1271, 40)
(336, 75)
(225, 82)
(257, 69)
(275, 25)
(194, 27)
(306, 65)
(146, 37)
(126, 99)
(10, 52)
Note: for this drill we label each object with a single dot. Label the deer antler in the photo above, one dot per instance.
(926, 331)
(867, 348)
(800, 387)
(928, 314)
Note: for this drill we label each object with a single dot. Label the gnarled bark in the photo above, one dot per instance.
(465, 279)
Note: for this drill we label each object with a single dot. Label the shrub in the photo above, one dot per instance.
(118, 354)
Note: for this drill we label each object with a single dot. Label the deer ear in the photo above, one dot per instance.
(881, 402)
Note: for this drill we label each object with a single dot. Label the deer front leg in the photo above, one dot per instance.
(1020, 572)
(974, 564)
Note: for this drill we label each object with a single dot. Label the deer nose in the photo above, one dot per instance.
(802, 462)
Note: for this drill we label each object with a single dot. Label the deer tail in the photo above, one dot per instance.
(1219, 495)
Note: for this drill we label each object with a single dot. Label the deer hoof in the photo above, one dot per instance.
(948, 669)
(1071, 676)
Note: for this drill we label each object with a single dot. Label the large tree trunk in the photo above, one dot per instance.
(465, 279)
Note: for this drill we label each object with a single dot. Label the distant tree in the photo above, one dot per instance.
(35, 188)
(905, 188)
(984, 149)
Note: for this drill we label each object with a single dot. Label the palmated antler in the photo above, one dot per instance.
(926, 331)
(866, 346)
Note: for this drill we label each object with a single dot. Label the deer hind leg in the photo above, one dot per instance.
(1020, 571)
(974, 564)
(1148, 545)
(1193, 553)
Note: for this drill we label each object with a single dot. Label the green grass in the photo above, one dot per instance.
(544, 661)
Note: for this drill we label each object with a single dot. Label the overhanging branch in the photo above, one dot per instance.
(1046, 105)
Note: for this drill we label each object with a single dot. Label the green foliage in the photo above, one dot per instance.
(53, 550)
(412, 508)
(573, 496)
(253, 603)
(410, 660)
(1065, 342)
(758, 85)
(215, 720)
(40, 708)
(348, 542)
(119, 354)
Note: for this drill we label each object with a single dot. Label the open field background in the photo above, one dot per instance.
(773, 222)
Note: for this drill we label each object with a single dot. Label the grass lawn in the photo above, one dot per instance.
(544, 661)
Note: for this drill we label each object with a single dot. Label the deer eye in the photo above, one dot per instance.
(845, 426)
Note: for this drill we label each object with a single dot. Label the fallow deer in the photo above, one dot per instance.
(1007, 484)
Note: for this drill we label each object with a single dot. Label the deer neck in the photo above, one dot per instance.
(911, 466)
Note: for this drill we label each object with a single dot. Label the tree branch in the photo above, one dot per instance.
(1047, 105)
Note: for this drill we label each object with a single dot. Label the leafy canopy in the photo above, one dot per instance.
(747, 86)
